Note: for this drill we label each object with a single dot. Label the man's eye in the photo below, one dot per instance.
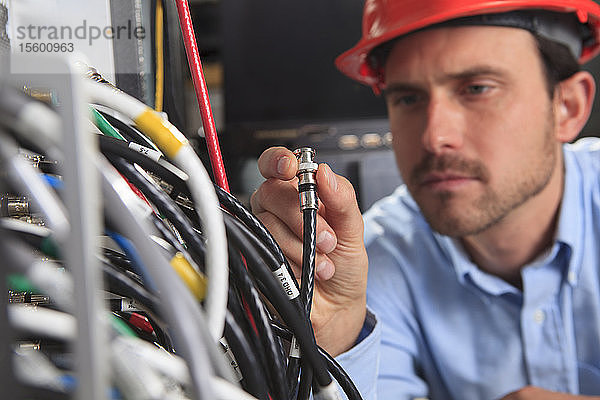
(477, 89)
(404, 100)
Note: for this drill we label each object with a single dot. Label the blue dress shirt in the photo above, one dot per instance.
(447, 330)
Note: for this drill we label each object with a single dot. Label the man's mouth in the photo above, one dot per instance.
(446, 180)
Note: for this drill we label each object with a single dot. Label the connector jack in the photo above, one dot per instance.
(307, 174)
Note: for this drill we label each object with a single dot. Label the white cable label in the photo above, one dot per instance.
(148, 152)
(231, 359)
(286, 282)
(329, 392)
(294, 348)
(130, 305)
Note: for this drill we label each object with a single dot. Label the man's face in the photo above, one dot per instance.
(472, 124)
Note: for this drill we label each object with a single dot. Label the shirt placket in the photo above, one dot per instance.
(542, 327)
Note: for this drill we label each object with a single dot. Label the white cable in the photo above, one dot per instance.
(53, 281)
(134, 378)
(41, 125)
(18, 225)
(162, 361)
(109, 97)
(43, 321)
(203, 195)
(206, 202)
(34, 367)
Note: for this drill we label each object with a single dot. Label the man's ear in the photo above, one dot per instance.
(573, 100)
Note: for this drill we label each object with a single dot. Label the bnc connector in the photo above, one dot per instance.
(307, 178)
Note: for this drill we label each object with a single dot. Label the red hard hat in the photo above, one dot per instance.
(384, 20)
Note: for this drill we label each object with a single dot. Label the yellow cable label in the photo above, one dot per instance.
(161, 132)
(195, 281)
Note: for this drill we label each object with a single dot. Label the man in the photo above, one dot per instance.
(484, 276)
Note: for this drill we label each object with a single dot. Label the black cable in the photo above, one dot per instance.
(173, 176)
(265, 253)
(166, 207)
(244, 316)
(272, 349)
(167, 171)
(130, 133)
(165, 229)
(163, 337)
(309, 217)
(255, 225)
(253, 382)
(121, 261)
(334, 368)
(292, 369)
(309, 205)
(305, 383)
(232, 205)
(119, 283)
(292, 374)
(309, 243)
(341, 376)
(291, 314)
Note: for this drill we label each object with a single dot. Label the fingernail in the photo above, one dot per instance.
(326, 242)
(331, 179)
(283, 164)
(325, 270)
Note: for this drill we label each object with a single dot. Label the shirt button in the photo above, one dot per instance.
(571, 277)
(539, 316)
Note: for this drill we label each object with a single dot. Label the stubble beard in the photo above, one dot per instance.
(450, 218)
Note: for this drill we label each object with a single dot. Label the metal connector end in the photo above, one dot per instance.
(307, 182)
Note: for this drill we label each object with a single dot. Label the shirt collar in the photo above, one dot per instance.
(570, 229)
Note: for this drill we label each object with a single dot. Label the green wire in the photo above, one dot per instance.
(121, 327)
(50, 248)
(19, 283)
(105, 127)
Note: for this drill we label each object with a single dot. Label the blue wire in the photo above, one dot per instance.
(132, 253)
(53, 181)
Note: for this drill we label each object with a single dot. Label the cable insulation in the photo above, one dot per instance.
(208, 123)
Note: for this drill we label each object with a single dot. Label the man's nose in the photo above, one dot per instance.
(444, 129)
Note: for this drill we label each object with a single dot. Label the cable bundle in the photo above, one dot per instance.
(191, 278)
(198, 300)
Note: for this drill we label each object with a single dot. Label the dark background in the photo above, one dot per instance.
(280, 87)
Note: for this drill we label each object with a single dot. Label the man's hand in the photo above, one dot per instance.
(339, 300)
(536, 393)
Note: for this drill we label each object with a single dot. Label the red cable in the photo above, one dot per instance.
(208, 122)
